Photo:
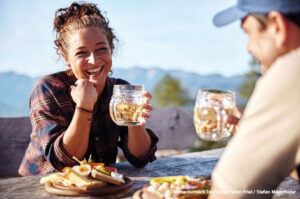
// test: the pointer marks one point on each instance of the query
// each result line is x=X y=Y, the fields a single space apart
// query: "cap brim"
x=228 y=16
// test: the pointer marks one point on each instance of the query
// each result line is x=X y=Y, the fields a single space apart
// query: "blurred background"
x=170 y=46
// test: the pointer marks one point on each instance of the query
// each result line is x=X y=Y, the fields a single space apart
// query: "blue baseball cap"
x=246 y=7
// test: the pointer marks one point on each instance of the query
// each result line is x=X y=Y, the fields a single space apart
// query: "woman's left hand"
x=146 y=108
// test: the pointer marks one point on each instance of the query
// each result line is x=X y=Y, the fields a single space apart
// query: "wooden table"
x=193 y=164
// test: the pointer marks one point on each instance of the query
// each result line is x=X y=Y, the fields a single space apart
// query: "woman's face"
x=89 y=55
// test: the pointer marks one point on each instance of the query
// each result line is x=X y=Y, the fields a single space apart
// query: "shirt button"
x=97 y=138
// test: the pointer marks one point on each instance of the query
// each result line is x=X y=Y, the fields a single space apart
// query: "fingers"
x=72 y=88
x=143 y=123
x=147 y=107
x=83 y=82
x=84 y=93
x=231 y=119
x=145 y=115
x=143 y=119
x=215 y=97
x=238 y=112
x=234 y=130
x=79 y=81
x=148 y=96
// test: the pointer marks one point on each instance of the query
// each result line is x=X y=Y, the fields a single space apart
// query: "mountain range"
x=15 y=88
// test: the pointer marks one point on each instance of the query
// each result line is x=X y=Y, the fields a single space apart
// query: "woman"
x=69 y=110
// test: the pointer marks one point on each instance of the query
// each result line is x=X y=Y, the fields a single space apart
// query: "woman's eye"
x=80 y=53
x=101 y=49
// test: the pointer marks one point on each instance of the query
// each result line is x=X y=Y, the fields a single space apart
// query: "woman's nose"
x=92 y=59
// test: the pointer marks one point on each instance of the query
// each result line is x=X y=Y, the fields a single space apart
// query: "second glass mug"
x=126 y=104
x=210 y=114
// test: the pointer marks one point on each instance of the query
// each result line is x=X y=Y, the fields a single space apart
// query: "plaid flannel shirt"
x=51 y=111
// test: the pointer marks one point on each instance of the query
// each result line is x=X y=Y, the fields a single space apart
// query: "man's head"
x=272 y=26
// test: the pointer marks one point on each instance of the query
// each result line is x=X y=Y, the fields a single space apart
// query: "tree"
x=168 y=91
x=246 y=88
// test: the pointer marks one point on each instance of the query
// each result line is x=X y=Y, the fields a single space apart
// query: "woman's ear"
x=277 y=24
x=66 y=60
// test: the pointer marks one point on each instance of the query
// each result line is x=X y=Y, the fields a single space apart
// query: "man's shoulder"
x=284 y=72
x=288 y=62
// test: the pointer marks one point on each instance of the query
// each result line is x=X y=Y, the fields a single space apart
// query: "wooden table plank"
x=192 y=164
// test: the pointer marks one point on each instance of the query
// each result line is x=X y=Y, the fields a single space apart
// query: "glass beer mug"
x=126 y=105
x=210 y=114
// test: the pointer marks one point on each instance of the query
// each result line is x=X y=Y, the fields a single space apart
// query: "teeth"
x=94 y=70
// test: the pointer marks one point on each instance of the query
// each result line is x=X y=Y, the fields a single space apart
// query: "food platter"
x=60 y=189
x=176 y=187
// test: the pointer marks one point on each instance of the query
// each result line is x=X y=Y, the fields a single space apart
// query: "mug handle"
x=221 y=120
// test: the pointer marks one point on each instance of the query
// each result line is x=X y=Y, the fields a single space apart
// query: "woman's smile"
x=94 y=71
x=90 y=55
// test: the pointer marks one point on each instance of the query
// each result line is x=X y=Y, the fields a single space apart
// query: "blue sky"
x=170 y=34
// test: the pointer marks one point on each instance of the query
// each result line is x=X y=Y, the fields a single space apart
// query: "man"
x=267 y=146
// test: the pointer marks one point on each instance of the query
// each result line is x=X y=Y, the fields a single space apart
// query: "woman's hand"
x=84 y=94
x=138 y=139
x=146 y=108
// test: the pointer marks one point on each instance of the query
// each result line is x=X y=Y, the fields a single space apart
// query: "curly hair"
x=75 y=17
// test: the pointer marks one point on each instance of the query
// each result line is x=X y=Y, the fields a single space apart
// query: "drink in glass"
x=126 y=105
x=210 y=114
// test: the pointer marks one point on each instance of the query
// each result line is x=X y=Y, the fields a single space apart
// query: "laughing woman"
x=69 y=110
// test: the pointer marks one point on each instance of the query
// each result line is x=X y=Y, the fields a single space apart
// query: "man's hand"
x=234 y=119
x=295 y=174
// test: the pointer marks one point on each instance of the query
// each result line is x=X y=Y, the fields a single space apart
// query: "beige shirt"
x=267 y=146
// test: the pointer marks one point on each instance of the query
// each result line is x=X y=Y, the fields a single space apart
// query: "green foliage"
x=246 y=88
x=168 y=91
x=202 y=145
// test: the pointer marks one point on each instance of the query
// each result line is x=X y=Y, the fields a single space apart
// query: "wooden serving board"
x=60 y=189
x=143 y=194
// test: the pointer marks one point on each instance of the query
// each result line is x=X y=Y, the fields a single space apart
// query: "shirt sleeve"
x=49 y=125
x=266 y=148
x=142 y=160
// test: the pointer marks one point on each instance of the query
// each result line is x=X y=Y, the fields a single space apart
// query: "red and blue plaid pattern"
x=51 y=111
